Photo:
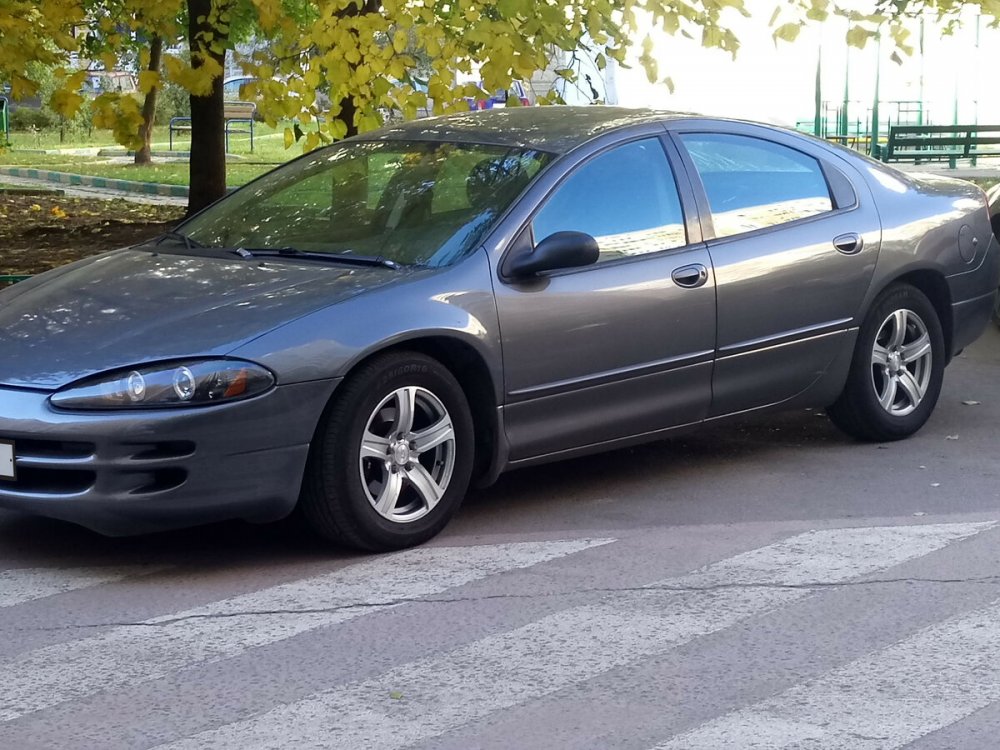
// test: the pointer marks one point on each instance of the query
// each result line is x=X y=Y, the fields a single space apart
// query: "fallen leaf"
x=35 y=207
x=920 y=513
x=396 y=695
x=951 y=437
x=971 y=403
x=935 y=484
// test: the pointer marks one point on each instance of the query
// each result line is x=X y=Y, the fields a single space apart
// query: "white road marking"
x=132 y=654
x=428 y=697
x=20 y=585
x=882 y=701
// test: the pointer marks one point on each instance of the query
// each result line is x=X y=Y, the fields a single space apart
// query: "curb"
x=58 y=192
x=125 y=186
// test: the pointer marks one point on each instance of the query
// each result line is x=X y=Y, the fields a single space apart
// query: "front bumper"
x=139 y=471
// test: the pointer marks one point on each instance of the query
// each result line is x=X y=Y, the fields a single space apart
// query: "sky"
x=776 y=82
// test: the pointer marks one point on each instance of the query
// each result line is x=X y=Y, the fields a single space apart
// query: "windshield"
x=421 y=203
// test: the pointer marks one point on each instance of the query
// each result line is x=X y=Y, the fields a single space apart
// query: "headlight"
x=195 y=383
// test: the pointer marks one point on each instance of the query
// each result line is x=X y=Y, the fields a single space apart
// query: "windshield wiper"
x=294 y=252
x=189 y=243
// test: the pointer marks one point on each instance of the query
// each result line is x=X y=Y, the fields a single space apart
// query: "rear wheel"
x=392 y=460
x=897 y=370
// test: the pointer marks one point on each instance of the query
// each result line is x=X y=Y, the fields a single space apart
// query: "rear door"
x=793 y=242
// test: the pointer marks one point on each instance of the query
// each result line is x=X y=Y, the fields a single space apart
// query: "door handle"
x=691 y=276
x=849 y=244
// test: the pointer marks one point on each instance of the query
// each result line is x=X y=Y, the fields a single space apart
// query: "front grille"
x=52 y=467
x=63 y=468
x=37 y=481
x=43 y=449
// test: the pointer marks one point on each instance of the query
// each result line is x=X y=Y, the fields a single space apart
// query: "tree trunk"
x=143 y=154
x=208 y=143
x=347 y=110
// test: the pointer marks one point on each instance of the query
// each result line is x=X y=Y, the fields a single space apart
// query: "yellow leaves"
x=66 y=103
x=858 y=36
x=338 y=129
x=120 y=113
x=787 y=32
x=647 y=60
x=34 y=207
x=196 y=80
x=148 y=80
x=57 y=212
x=289 y=138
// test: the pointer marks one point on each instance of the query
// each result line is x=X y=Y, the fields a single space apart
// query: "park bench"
x=919 y=143
x=238 y=117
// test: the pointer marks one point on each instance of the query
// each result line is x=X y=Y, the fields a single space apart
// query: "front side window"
x=752 y=183
x=625 y=198
x=421 y=203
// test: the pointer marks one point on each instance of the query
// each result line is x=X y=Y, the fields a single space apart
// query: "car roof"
x=556 y=129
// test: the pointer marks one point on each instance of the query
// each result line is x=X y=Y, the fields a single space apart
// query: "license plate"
x=7 y=460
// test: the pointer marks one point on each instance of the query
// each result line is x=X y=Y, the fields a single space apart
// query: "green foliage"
x=335 y=67
x=26 y=119
x=173 y=101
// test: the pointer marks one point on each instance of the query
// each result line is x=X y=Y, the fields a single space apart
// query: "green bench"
x=238 y=118
x=919 y=143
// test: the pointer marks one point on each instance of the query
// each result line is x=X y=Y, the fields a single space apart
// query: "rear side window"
x=626 y=199
x=752 y=183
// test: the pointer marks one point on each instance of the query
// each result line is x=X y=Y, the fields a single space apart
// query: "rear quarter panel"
x=933 y=223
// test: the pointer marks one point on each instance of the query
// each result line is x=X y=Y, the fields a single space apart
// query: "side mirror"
x=559 y=250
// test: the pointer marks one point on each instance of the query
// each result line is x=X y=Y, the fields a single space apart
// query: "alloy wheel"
x=407 y=454
x=901 y=362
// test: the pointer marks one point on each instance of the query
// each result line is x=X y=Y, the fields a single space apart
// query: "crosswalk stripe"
x=20 y=585
x=882 y=701
x=131 y=654
x=428 y=697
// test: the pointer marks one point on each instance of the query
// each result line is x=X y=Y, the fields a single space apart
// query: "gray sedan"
x=362 y=333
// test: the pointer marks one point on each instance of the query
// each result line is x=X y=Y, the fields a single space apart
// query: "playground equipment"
x=5 y=118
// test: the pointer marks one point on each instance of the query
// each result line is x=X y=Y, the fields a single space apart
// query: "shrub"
x=28 y=119
x=173 y=101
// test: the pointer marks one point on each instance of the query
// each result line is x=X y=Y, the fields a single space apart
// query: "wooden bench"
x=919 y=143
x=238 y=117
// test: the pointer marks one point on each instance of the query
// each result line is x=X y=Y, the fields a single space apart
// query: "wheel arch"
x=934 y=286
x=473 y=374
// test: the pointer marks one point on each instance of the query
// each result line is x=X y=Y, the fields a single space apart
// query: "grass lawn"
x=269 y=143
x=269 y=151
x=170 y=173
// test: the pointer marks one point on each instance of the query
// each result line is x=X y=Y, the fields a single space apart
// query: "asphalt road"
x=762 y=584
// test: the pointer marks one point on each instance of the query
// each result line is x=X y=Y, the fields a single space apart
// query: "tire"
x=377 y=478
x=895 y=377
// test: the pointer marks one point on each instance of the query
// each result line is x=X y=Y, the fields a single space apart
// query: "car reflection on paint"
x=367 y=331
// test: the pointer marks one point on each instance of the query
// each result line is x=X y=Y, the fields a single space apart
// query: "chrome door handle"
x=849 y=244
x=691 y=276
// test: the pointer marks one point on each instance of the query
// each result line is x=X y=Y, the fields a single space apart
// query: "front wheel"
x=392 y=460
x=898 y=366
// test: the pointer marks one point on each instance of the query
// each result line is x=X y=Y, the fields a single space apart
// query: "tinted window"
x=625 y=198
x=753 y=183
x=413 y=203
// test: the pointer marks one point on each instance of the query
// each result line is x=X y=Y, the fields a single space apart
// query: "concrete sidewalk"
x=102 y=193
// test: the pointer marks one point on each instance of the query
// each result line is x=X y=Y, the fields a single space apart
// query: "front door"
x=623 y=347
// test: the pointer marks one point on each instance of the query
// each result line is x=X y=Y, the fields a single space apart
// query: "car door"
x=794 y=246
x=621 y=347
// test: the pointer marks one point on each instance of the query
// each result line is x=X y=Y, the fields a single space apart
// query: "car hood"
x=134 y=306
